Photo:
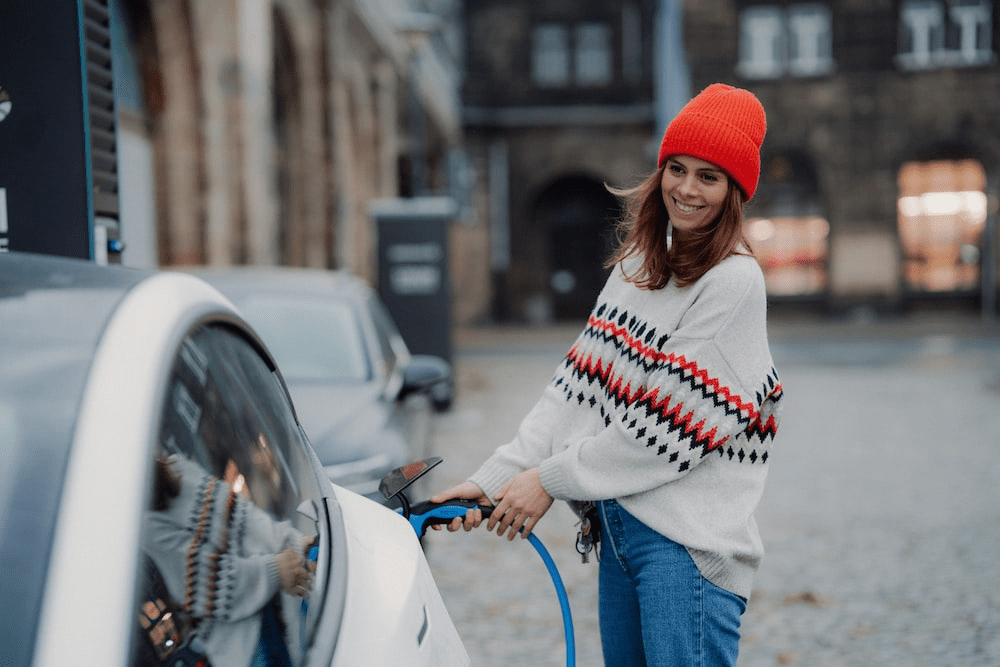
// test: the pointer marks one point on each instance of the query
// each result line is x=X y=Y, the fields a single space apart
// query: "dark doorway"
x=577 y=216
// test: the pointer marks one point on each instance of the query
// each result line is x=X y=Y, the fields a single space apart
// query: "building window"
x=942 y=214
x=775 y=41
x=939 y=33
x=550 y=55
x=810 y=40
x=585 y=62
x=593 y=54
x=761 y=43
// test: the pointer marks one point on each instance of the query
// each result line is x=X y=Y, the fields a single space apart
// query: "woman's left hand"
x=519 y=505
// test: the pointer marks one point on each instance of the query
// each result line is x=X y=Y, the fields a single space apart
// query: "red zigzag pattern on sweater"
x=673 y=414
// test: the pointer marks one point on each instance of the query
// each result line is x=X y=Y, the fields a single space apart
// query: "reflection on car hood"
x=344 y=422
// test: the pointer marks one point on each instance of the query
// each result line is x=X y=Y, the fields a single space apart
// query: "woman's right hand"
x=464 y=491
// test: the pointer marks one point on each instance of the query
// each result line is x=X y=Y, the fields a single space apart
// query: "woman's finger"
x=528 y=526
x=499 y=516
x=515 y=525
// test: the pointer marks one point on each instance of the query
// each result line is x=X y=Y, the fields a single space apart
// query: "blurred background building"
x=268 y=131
x=560 y=98
x=880 y=165
x=259 y=131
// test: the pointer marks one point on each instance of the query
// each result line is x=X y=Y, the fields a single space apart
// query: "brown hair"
x=166 y=485
x=642 y=232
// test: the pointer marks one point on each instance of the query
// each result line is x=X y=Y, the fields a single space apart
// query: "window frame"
x=935 y=34
x=593 y=62
x=550 y=55
x=774 y=42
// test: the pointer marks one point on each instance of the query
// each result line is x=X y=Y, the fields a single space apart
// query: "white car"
x=108 y=371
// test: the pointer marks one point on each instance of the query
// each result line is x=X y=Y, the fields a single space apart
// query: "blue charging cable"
x=422 y=515
x=567 y=615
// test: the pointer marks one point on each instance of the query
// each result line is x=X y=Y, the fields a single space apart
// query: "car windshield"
x=313 y=339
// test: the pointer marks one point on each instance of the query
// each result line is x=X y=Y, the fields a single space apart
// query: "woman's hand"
x=520 y=504
x=293 y=577
x=464 y=491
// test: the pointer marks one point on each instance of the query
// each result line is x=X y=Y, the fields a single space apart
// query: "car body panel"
x=397 y=595
x=45 y=368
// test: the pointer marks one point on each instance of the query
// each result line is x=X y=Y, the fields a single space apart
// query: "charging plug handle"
x=426 y=513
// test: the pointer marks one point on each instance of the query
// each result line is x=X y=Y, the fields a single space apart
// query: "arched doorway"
x=577 y=216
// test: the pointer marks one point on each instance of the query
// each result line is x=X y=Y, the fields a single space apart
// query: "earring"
x=670 y=235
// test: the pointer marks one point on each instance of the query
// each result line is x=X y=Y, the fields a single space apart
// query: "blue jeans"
x=655 y=607
x=271 y=650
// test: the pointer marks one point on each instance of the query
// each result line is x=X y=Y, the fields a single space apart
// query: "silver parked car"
x=364 y=400
x=160 y=502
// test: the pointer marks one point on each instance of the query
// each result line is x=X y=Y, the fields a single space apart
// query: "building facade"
x=880 y=166
x=559 y=100
x=881 y=163
x=260 y=131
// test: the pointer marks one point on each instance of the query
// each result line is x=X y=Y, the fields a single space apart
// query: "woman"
x=664 y=409
x=224 y=560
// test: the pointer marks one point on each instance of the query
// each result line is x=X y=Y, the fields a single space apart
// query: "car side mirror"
x=423 y=372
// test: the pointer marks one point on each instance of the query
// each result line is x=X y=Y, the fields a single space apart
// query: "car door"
x=235 y=483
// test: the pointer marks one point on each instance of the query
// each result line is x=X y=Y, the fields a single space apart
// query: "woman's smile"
x=687 y=208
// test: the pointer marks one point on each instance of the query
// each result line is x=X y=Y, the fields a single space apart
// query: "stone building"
x=880 y=166
x=260 y=131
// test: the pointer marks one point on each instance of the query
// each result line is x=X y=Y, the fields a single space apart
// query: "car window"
x=314 y=340
x=385 y=331
x=233 y=488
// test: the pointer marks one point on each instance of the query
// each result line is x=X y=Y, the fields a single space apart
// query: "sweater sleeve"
x=695 y=400
x=249 y=572
x=531 y=445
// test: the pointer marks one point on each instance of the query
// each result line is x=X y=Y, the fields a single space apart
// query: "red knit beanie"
x=722 y=125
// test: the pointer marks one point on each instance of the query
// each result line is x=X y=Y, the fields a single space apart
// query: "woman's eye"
x=711 y=178
x=676 y=169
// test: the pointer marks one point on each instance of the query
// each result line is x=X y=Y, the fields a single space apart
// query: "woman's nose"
x=688 y=184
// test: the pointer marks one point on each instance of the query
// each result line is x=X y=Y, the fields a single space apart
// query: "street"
x=881 y=518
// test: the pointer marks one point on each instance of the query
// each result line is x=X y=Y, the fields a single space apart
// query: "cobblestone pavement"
x=881 y=517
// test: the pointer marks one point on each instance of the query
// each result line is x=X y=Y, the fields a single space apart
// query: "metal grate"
x=100 y=92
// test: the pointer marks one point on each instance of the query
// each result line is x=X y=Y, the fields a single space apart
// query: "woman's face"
x=693 y=191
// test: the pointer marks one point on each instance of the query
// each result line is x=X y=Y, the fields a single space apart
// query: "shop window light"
x=941 y=215
x=792 y=252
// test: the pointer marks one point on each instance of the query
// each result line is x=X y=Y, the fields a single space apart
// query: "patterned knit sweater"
x=668 y=402
x=216 y=552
